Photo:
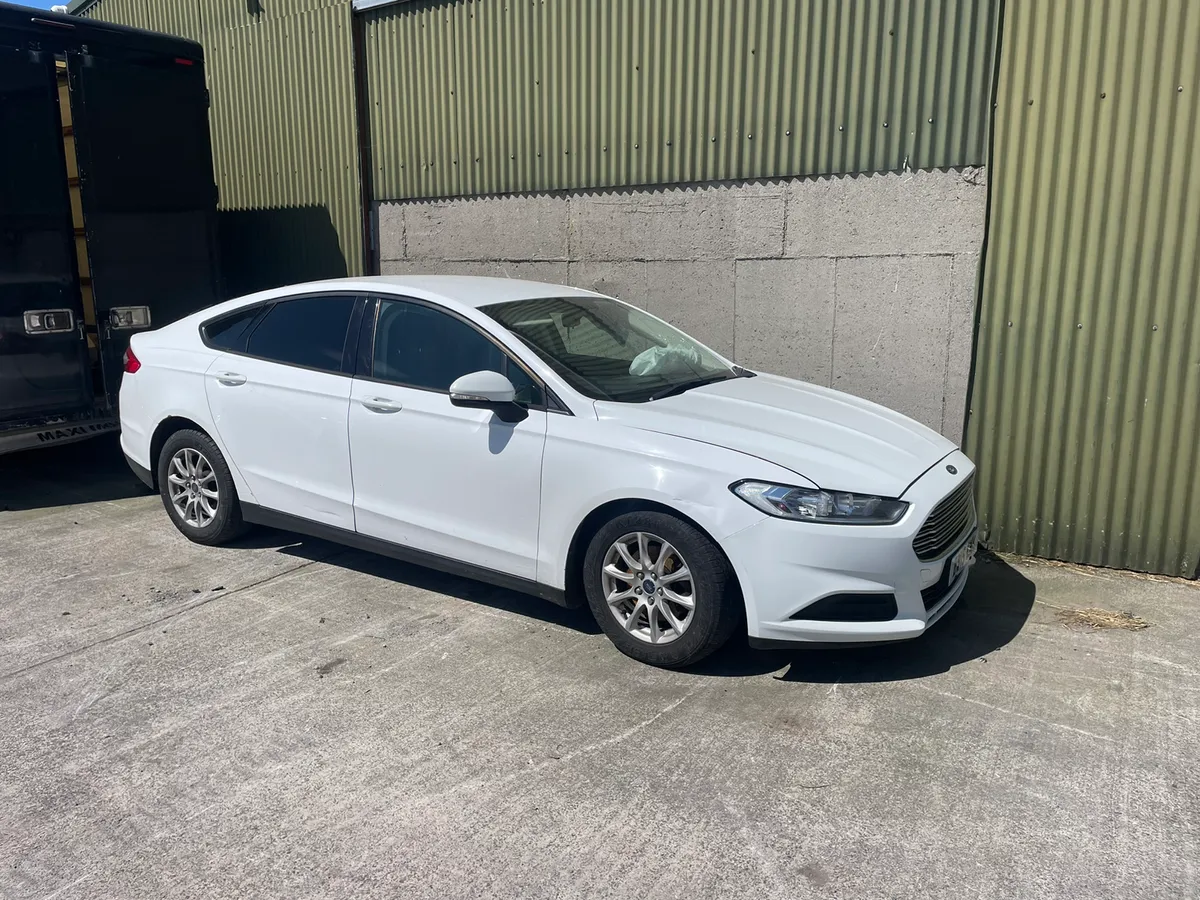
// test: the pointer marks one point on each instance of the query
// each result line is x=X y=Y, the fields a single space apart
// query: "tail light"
x=131 y=362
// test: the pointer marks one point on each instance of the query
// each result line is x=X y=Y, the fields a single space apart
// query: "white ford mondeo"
x=559 y=442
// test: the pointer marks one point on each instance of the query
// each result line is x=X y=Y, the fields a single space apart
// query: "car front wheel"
x=197 y=489
x=660 y=589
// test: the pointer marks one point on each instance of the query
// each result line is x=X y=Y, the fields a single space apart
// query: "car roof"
x=464 y=290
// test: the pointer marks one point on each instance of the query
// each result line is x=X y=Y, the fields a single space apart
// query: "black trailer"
x=107 y=212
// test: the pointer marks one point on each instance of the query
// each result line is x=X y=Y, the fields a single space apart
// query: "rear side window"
x=309 y=331
x=229 y=333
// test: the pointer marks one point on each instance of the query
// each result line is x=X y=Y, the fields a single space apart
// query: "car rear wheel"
x=197 y=489
x=660 y=589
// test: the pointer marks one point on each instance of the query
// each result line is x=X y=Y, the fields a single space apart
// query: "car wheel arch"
x=162 y=433
x=596 y=519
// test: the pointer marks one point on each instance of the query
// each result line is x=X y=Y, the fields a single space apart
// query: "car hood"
x=834 y=440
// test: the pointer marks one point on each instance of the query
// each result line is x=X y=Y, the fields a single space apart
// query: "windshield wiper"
x=688 y=385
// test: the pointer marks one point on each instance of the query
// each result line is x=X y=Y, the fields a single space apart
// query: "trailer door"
x=149 y=200
x=44 y=367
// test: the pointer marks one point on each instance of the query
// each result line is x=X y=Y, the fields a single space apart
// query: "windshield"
x=609 y=351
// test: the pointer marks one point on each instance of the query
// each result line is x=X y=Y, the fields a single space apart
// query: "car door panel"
x=442 y=479
x=285 y=428
x=453 y=482
x=279 y=394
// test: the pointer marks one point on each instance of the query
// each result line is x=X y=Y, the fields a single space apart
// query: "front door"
x=457 y=483
x=279 y=400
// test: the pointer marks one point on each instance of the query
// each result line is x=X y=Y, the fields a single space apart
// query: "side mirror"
x=488 y=390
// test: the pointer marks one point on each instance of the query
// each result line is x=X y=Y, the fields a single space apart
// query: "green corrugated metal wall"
x=485 y=96
x=283 y=130
x=1085 y=412
x=179 y=17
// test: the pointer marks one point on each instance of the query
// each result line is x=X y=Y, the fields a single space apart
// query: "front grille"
x=949 y=519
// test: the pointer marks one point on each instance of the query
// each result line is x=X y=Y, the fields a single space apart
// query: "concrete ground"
x=290 y=719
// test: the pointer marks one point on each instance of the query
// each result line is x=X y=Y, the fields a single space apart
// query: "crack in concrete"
x=535 y=767
x=833 y=325
x=949 y=351
x=1013 y=712
x=156 y=622
x=67 y=887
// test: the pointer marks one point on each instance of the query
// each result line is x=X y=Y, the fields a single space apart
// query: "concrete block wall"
x=862 y=283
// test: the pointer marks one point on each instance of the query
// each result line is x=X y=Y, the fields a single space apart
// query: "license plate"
x=962 y=558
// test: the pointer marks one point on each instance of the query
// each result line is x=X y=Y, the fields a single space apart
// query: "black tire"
x=716 y=596
x=226 y=524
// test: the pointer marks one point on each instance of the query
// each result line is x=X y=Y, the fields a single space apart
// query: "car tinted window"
x=228 y=333
x=421 y=347
x=425 y=348
x=308 y=331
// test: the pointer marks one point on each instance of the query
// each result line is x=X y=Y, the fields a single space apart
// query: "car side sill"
x=259 y=515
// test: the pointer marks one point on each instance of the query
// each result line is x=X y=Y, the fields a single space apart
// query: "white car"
x=559 y=442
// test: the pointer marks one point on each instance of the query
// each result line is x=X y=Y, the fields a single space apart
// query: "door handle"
x=382 y=405
x=232 y=379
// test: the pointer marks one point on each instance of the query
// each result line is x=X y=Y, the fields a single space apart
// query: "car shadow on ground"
x=85 y=472
x=422 y=578
x=991 y=612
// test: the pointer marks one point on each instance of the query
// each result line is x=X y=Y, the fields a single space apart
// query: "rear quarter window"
x=229 y=332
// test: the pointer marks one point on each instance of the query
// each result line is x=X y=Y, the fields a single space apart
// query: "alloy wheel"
x=192 y=485
x=648 y=587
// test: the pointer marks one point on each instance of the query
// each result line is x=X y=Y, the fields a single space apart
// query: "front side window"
x=420 y=347
x=307 y=331
x=528 y=391
x=609 y=351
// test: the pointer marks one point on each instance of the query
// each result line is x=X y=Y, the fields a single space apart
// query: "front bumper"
x=786 y=566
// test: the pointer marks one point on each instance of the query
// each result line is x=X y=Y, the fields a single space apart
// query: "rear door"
x=149 y=200
x=279 y=395
x=43 y=355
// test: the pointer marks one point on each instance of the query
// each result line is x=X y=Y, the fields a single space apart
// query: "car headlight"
x=809 y=505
